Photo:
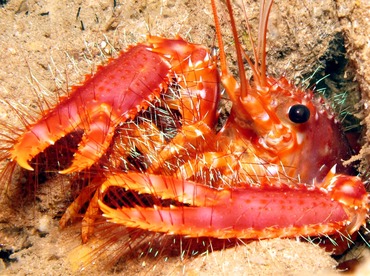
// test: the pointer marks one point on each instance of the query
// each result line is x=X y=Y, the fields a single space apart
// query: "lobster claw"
x=114 y=94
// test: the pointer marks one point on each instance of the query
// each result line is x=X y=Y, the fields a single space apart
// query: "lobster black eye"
x=299 y=113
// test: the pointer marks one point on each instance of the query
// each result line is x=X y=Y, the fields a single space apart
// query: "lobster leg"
x=87 y=195
x=190 y=137
x=246 y=212
x=84 y=196
x=146 y=137
x=87 y=224
x=235 y=168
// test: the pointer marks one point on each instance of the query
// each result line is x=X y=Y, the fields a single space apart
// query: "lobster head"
x=287 y=126
x=292 y=127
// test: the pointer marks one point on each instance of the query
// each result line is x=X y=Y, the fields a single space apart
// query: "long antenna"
x=239 y=56
x=220 y=41
x=265 y=8
x=243 y=80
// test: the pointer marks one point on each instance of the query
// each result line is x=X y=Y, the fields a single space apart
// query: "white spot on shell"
x=263 y=117
x=198 y=132
x=190 y=63
x=333 y=170
x=348 y=189
x=202 y=93
x=300 y=137
x=316 y=116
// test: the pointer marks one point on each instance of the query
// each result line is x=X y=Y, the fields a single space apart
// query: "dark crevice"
x=335 y=80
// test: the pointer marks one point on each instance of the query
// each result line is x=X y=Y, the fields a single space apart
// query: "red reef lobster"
x=148 y=119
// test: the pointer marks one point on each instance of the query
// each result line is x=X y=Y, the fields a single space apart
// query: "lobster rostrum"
x=273 y=170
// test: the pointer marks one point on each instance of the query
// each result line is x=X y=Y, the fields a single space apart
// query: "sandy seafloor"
x=46 y=47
